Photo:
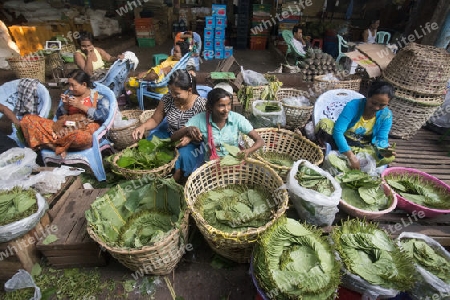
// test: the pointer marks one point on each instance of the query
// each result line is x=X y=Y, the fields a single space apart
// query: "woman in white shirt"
x=370 y=34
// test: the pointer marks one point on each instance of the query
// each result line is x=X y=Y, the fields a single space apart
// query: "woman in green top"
x=225 y=126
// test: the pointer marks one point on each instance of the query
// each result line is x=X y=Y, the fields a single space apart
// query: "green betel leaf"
x=147 y=146
x=232 y=150
x=397 y=186
x=229 y=160
x=126 y=161
x=372 y=194
x=50 y=239
x=338 y=163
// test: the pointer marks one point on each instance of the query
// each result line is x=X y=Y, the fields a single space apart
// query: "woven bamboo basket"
x=236 y=246
x=432 y=99
x=121 y=137
x=287 y=142
x=69 y=48
x=420 y=68
x=351 y=82
x=409 y=116
x=28 y=67
x=161 y=171
x=159 y=258
x=296 y=116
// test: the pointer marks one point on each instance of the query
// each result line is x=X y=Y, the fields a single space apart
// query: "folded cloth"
x=128 y=55
x=27 y=97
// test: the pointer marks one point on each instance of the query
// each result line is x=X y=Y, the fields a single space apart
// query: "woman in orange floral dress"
x=81 y=114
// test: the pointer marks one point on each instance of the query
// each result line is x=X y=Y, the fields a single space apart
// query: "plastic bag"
x=17 y=163
x=430 y=284
x=270 y=118
x=119 y=122
x=312 y=206
x=253 y=78
x=22 y=279
x=296 y=101
x=18 y=228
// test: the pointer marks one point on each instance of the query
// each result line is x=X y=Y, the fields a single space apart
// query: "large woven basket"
x=351 y=82
x=287 y=142
x=409 y=116
x=122 y=136
x=431 y=99
x=236 y=246
x=420 y=68
x=161 y=171
x=296 y=116
x=28 y=67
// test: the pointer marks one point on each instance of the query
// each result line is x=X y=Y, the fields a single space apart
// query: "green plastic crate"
x=146 y=42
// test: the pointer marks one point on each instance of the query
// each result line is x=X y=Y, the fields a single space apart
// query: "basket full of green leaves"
x=247 y=94
x=267 y=114
x=144 y=228
x=233 y=204
x=363 y=195
x=283 y=147
x=373 y=263
x=21 y=210
x=431 y=261
x=295 y=261
x=418 y=191
x=314 y=193
x=146 y=158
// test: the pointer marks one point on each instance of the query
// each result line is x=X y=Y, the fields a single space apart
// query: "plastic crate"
x=142 y=24
x=221 y=22
x=146 y=42
x=258 y=43
x=228 y=51
x=210 y=22
x=219 y=10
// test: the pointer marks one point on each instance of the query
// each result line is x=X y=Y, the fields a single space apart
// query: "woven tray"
x=122 y=136
x=159 y=259
x=419 y=68
x=161 y=171
x=351 y=82
x=28 y=67
x=146 y=114
x=235 y=246
x=296 y=116
x=286 y=142
x=409 y=116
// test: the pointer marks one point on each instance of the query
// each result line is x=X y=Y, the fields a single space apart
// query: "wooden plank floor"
x=426 y=153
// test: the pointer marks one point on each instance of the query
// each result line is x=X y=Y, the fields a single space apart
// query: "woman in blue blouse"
x=363 y=124
x=225 y=126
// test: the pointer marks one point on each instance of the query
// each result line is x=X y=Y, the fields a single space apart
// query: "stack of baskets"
x=351 y=82
x=419 y=74
x=236 y=246
x=286 y=142
x=296 y=116
x=121 y=136
x=31 y=66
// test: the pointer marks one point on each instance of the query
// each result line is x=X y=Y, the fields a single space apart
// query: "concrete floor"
x=194 y=278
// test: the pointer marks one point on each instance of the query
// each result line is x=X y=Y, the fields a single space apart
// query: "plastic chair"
x=383 y=37
x=92 y=156
x=341 y=44
x=145 y=85
x=117 y=76
x=288 y=37
x=331 y=103
x=158 y=58
x=8 y=97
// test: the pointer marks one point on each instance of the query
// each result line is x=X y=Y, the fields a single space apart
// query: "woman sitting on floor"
x=218 y=125
x=363 y=125
x=79 y=117
x=180 y=104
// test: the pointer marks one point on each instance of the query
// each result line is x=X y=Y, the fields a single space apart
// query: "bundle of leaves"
x=132 y=217
x=17 y=204
x=363 y=191
x=294 y=261
x=147 y=155
x=267 y=107
x=370 y=253
x=311 y=179
x=429 y=258
x=246 y=93
x=420 y=191
x=281 y=159
x=235 y=207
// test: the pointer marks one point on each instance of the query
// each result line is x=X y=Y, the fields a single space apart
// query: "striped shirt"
x=176 y=118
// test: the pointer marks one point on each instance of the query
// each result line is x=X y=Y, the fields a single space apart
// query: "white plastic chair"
x=331 y=103
x=8 y=97
x=341 y=44
x=383 y=37
x=92 y=156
